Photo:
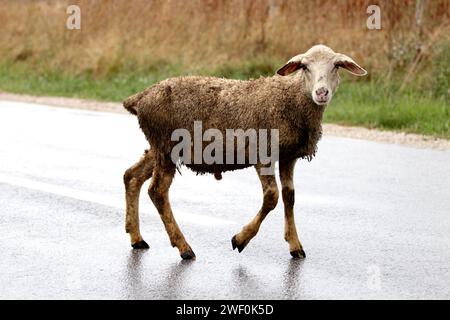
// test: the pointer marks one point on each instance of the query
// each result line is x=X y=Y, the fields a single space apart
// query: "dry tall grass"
x=118 y=34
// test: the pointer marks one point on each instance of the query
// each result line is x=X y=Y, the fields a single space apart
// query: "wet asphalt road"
x=374 y=219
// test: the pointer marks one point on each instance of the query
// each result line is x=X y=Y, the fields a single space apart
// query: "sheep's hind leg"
x=288 y=194
x=159 y=194
x=270 y=191
x=134 y=178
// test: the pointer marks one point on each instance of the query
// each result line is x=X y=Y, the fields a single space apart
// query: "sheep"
x=294 y=105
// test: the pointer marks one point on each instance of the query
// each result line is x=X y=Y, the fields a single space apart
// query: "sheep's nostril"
x=322 y=92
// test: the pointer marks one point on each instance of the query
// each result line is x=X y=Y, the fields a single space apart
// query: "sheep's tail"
x=131 y=102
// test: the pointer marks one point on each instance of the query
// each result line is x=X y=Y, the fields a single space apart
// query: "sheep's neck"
x=308 y=117
x=310 y=114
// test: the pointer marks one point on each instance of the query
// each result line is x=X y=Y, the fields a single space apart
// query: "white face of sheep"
x=319 y=67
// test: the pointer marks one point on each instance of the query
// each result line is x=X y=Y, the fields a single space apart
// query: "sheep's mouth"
x=321 y=101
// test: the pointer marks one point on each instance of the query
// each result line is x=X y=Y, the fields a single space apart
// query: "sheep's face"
x=319 y=67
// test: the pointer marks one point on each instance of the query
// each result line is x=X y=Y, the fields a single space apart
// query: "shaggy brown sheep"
x=293 y=105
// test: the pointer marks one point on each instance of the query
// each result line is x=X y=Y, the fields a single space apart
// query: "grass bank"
x=372 y=104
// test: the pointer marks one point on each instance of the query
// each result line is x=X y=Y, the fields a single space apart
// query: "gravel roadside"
x=410 y=139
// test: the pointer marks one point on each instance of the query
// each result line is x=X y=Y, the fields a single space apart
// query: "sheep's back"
x=218 y=103
x=265 y=103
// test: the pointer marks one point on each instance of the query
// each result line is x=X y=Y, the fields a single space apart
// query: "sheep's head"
x=319 y=67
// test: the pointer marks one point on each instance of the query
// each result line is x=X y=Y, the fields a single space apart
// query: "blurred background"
x=124 y=46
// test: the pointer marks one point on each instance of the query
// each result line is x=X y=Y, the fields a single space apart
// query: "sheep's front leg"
x=159 y=193
x=270 y=192
x=288 y=194
x=134 y=178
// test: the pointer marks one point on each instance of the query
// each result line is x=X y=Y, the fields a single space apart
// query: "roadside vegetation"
x=125 y=46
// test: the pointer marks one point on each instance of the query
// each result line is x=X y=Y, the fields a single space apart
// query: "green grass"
x=376 y=106
x=20 y=79
x=365 y=103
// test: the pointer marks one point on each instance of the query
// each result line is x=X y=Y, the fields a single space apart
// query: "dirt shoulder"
x=84 y=104
x=409 y=139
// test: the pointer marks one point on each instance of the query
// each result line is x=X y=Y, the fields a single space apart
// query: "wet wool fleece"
x=266 y=103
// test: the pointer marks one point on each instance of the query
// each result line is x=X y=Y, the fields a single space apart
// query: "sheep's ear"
x=291 y=66
x=348 y=64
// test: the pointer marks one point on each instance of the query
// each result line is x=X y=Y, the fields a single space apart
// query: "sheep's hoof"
x=140 y=245
x=188 y=255
x=298 y=254
x=235 y=245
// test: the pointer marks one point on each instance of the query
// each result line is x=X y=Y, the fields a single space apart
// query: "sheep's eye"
x=304 y=67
